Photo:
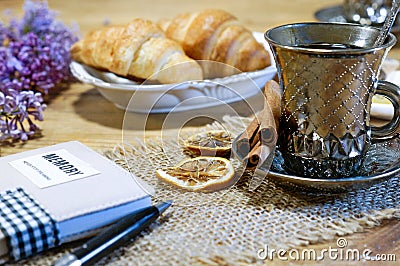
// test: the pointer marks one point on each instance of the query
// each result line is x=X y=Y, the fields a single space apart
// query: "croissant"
x=138 y=49
x=218 y=36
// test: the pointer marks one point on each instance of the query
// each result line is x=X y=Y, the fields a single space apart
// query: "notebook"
x=77 y=191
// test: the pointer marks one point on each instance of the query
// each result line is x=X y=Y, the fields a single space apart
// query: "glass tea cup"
x=329 y=73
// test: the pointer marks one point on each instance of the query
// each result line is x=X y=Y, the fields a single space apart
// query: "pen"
x=114 y=236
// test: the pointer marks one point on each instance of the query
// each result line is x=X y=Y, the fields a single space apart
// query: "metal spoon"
x=389 y=21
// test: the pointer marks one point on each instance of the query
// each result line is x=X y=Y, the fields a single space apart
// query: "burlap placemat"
x=229 y=227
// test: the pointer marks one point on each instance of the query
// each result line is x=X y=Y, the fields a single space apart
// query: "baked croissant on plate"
x=138 y=49
x=218 y=36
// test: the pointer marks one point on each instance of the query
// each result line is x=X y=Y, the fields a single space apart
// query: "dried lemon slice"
x=200 y=174
x=210 y=143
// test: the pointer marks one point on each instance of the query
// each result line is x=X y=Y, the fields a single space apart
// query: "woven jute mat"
x=229 y=227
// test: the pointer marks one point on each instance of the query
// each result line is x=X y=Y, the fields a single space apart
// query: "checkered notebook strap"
x=27 y=227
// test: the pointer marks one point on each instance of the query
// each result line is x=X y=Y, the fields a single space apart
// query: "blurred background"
x=248 y=12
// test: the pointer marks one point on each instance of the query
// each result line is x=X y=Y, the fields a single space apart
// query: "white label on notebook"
x=53 y=168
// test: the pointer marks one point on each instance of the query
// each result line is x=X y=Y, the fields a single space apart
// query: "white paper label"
x=53 y=168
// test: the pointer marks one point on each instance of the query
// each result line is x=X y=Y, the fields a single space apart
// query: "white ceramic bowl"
x=132 y=96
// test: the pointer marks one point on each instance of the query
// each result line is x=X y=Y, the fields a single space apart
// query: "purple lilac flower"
x=19 y=109
x=34 y=58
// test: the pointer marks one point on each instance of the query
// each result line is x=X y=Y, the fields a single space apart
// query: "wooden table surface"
x=80 y=113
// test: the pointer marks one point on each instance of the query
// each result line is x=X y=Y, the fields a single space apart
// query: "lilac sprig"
x=34 y=59
x=17 y=111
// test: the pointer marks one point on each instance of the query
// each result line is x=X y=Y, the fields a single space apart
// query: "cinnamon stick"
x=249 y=137
x=268 y=136
x=269 y=117
x=259 y=139
x=273 y=96
x=258 y=154
x=267 y=130
x=265 y=138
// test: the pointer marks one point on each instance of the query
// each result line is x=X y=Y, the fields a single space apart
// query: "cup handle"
x=392 y=93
